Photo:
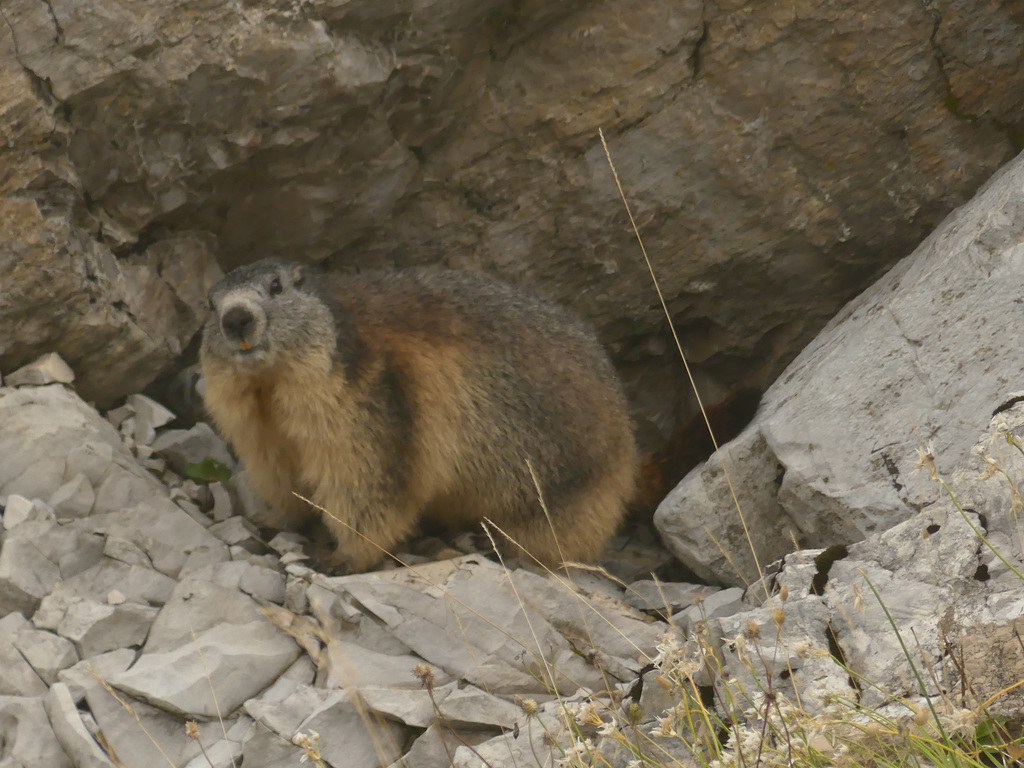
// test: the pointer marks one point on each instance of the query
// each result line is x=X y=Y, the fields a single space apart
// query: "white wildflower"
x=664 y=729
x=607 y=729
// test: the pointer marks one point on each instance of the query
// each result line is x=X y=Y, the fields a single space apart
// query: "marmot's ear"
x=298 y=274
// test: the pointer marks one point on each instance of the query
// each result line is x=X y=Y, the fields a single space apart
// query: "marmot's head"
x=265 y=311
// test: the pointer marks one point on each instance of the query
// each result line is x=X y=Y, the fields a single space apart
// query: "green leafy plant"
x=209 y=470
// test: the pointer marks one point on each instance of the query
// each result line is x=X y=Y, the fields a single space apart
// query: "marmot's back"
x=396 y=395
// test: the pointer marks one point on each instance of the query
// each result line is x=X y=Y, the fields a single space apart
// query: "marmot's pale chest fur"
x=393 y=396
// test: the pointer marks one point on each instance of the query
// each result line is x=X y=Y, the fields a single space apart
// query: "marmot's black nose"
x=237 y=324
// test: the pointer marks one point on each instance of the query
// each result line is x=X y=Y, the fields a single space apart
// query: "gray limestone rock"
x=135 y=746
x=349 y=738
x=85 y=550
x=471 y=706
x=286 y=542
x=724 y=602
x=66 y=545
x=196 y=605
x=665 y=598
x=992 y=663
x=39 y=479
x=125 y=551
x=478 y=604
x=92 y=459
x=264 y=584
x=339 y=616
x=139 y=585
x=123 y=487
x=227 y=752
x=233 y=531
x=191 y=446
x=284 y=715
x=48 y=432
x=412 y=707
x=843 y=600
x=97 y=627
x=203 y=558
x=17 y=677
x=507 y=751
x=71 y=732
x=222 y=504
x=27 y=738
x=618 y=637
x=234 y=660
x=922 y=356
x=295 y=594
x=160 y=528
x=82 y=676
x=435 y=746
x=48 y=369
x=46 y=652
x=267 y=749
x=252 y=506
x=73 y=499
x=18 y=510
x=349 y=665
x=149 y=416
x=299 y=675
x=26 y=575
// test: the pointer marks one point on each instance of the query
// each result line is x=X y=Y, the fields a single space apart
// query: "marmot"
x=388 y=397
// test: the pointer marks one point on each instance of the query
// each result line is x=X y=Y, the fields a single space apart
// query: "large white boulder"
x=921 y=358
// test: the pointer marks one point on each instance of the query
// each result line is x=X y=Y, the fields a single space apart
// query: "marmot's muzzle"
x=238 y=324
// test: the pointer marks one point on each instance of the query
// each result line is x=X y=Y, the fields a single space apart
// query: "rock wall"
x=777 y=157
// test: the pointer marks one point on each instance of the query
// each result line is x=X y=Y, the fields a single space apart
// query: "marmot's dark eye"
x=275 y=286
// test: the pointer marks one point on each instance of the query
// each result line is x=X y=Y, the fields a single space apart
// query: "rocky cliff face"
x=778 y=158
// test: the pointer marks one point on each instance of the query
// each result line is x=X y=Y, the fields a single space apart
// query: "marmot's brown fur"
x=392 y=396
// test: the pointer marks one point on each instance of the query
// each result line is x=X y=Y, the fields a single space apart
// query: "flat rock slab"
x=135 y=746
x=352 y=738
x=477 y=608
x=226 y=665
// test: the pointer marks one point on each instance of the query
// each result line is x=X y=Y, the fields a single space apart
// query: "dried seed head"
x=425 y=674
x=926 y=460
x=784 y=593
x=779 y=617
x=752 y=630
x=530 y=707
x=634 y=713
x=587 y=714
x=192 y=729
